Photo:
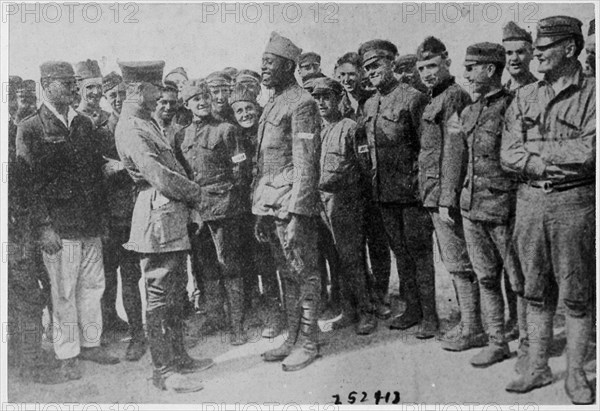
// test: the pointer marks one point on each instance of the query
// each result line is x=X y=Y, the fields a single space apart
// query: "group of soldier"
x=311 y=189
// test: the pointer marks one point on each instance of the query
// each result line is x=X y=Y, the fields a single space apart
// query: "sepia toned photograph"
x=298 y=205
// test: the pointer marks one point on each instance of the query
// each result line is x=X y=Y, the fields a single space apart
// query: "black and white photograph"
x=298 y=205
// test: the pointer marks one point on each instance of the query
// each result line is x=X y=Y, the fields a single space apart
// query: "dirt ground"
x=386 y=361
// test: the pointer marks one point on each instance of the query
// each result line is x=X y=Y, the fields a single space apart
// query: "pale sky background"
x=186 y=34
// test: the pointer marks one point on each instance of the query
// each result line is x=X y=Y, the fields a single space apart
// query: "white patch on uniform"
x=239 y=158
x=306 y=136
x=363 y=149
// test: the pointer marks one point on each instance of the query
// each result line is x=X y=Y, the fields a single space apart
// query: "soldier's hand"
x=50 y=241
x=261 y=230
x=557 y=173
x=445 y=215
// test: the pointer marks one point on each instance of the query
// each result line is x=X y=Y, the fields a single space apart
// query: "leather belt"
x=548 y=186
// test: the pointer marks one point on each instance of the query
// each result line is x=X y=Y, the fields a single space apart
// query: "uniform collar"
x=387 y=89
x=134 y=110
x=488 y=98
x=573 y=79
x=440 y=88
x=71 y=114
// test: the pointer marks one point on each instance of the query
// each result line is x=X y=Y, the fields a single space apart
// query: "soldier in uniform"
x=308 y=63
x=219 y=84
x=348 y=71
x=550 y=139
x=405 y=68
x=159 y=225
x=488 y=196
x=114 y=91
x=212 y=154
x=286 y=198
x=251 y=79
x=60 y=147
x=387 y=146
x=165 y=112
x=89 y=81
x=590 y=50
x=519 y=52
x=121 y=194
x=440 y=179
x=343 y=205
x=26 y=100
x=179 y=77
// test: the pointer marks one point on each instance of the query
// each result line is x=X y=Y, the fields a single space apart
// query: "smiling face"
x=246 y=113
x=328 y=104
x=200 y=105
x=220 y=97
x=349 y=75
x=61 y=90
x=273 y=70
x=379 y=72
x=479 y=77
x=166 y=107
x=91 y=91
x=433 y=71
x=553 y=56
x=115 y=98
x=518 y=56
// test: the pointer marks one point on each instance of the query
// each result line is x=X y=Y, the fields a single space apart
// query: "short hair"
x=350 y=58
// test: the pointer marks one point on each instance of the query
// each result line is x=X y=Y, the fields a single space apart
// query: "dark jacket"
x=489 y=193
x=439 y=167
x=211 y=152
x=66 y=167
x=339 y=165
x=387 y=143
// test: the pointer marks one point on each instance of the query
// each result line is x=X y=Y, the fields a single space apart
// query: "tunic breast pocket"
x=394 y=125
x=275 y=129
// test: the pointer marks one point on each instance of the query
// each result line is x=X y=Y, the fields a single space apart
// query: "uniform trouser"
x=26 y=299
x=343 y=213
x=409 y=233
x=166 y=278
x=379 y=253
x=328 y=256
x=77 y=283
x=301 y=279
x=489 y=247
x=451 y=243
x=555 y=242
x=226 y=236
x=116 y=256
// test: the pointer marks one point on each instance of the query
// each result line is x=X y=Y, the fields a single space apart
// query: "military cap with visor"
x=551 y=30
x=326 y=85
x=143 y=71
x=242 y=92
x=193 y=88
x=309 y=58
x=430 y=48
x=374 y=50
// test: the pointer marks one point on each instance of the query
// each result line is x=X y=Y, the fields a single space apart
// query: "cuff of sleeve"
x=535 y=167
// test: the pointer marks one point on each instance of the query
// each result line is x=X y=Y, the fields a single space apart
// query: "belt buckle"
x=547 y=187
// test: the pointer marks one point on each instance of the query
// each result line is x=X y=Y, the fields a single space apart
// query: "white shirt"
x=70 y=114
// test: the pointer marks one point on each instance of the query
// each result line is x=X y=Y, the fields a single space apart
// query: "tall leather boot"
x=272 y=312
x=293 y=314
x=538 y=373
x=578 y=335
x=413 y=313
x=215 y=318
x=307 y=349
x=234 y=288
x=511 y=328
x=182 y=361
x=164 y=375
x=430 y=324
x=492 y=305
x=132 y=303
x=469 y=332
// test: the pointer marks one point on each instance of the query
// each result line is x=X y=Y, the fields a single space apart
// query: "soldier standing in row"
x=286 y=198
x=159 y=225
x=212 y=154
x=488 y=196
x=61 y=148
x=405 y=68
x=519 y=52
x=387 y=147
x=219 y=84
x=114 y=92
x=308 y=64
x=550 y=139
x=343 y=205
x=165 y=112
x=440 y=179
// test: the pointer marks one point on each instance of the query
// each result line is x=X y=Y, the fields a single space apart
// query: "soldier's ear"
x=448 y=62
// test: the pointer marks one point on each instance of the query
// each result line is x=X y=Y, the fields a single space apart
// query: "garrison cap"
x=248 y=76
x=405 y=63
x=56 y=69
x=110 y=81
x=592 y=28
x=14 y=84
x=218 y=78
x=142 y=71
x=556 y=28
x=169 y=85
x=283 y=47
x=241 y=92
x=431 y=47
x=192 y=88
x=88 y=69
x=512 y=32
x=485 y=53
x=375 y=49
x=309 y=58
x=178 y=70
x=27 y=87
x=326 y=85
